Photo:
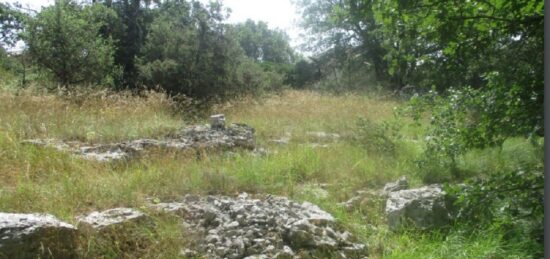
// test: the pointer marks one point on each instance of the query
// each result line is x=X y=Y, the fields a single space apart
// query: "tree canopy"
x=64 y=39
x=182 y=47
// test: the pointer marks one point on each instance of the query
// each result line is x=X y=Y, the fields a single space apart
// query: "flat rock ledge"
x=36 y=236
x=192 y=137
x=268 y=227
x=111 y=218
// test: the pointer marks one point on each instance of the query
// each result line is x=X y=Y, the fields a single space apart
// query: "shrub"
x=509 y=199
x=468 y=118
x=64 y=39
x=382 y=138
x=511 y=202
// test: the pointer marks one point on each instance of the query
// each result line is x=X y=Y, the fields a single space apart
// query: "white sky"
x=277 y=13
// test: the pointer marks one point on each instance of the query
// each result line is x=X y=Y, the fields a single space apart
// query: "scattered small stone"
x=105 y=153
x=354 y=251
x=287 y=253
x=188 y=253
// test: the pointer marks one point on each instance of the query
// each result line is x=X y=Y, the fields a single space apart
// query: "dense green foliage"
x=188 y=51
x=433 y=43
x=262 y=44
x=182 y=47
x=270 y=49
x=482 y=60
x=11 y=23
x=304 y=73
x=64 y=39
x=470 y=118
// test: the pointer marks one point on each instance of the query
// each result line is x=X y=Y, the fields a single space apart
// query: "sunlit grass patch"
x=99 y=117
x=322 y=170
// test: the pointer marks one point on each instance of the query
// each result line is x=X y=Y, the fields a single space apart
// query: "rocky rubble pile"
x=225 y=227
x=215 y=135
x=271 y=227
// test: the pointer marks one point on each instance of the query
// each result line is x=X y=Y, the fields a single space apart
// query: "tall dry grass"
x=301 y=111
x=88 y=116
x=36 y=179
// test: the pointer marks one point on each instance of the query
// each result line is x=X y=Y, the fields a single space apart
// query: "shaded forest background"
x=187 y=47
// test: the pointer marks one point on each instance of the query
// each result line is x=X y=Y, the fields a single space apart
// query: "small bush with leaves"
x=510 y=202
x=468 y=118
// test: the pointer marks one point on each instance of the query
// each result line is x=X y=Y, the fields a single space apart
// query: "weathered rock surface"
x=368 y=196
x=423 y=208
x=107 y=152
x=236 y=135
x=193 y=137
x=35 y=236
x=270 y=227
x=400 y=184
x=111 y=218
x=217 y=121
x=122 y=227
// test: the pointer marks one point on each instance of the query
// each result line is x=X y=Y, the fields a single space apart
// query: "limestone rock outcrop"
x=422 y=208
x=216 y=135
x=400 y=184
x=36 y=236
x=111 y=218
x=267 y=227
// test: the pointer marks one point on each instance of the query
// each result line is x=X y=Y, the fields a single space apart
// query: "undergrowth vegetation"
x=374 y=147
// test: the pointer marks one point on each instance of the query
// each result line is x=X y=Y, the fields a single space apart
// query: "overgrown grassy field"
x=35 y=179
